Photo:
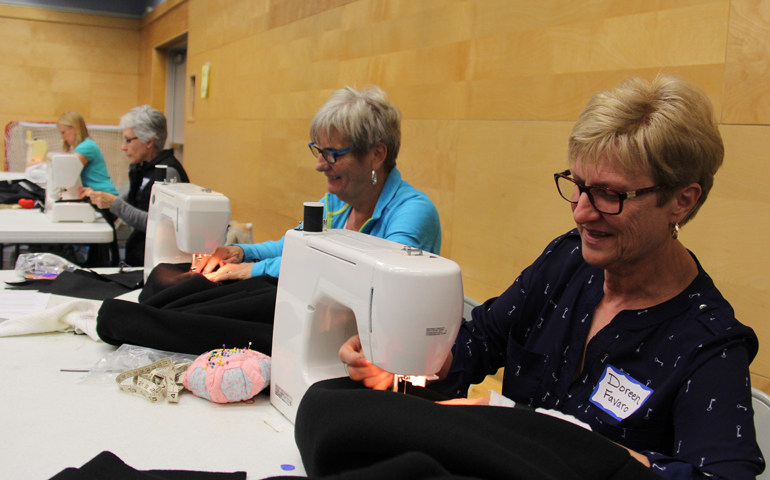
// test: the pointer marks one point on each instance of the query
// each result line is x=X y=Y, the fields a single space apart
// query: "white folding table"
x=22 y=226
x=33 y=226
x=50 y=421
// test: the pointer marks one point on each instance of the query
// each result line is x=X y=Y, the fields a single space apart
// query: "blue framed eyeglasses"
x=329 y=155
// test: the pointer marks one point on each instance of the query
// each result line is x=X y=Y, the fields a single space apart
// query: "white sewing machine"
x=61 y=191
x=405 y=304
x=183 y=220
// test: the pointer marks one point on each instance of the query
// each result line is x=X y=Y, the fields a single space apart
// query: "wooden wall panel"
x=448 y=65
x=420 y=30
x=495 y=17
x=747 y=76
x=548 y=72
x=283 y=12
x=655 y=39
x=109 y=99
x=264 y=163
x=428 y=161
x=226 y=22
x=506 y=208
x=562 y=97
x=371 y=12
x=155 y=35
x=52 y=62
x=489 y=90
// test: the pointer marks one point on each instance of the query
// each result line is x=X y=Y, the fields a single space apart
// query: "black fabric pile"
x=345 y=431
x=99 y=254
x=11 y=191
x=107 y=466
x=186 y=313
x=84 y=284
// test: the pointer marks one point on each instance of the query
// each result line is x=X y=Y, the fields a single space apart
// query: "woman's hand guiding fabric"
x=360 y=369
x=223 y=255
x=231 y=271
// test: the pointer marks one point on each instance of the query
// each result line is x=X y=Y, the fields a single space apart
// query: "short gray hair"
x=147 y=123
x=364 y=117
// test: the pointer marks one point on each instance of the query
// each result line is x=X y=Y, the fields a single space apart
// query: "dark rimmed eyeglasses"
x=605 y=200
x=129 y=140
x=329 y=155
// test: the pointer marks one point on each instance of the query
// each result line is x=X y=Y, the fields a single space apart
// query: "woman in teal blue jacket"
x=356 y=138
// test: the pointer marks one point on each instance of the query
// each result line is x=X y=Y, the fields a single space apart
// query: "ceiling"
x=115 y=8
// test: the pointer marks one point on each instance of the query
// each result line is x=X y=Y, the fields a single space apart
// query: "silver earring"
x=374 y=177
x=675 y=231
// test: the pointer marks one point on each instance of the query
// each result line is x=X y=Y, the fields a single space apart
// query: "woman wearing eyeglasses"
x=144 y=135
x=356 y=138
x=617 y=323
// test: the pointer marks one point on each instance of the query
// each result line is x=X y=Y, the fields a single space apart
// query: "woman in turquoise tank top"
x=94 y=175
x=75 y=140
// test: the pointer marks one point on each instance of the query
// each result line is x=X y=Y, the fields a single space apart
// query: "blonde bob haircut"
x=362 y=117
x=74 y=120
x=665 y=128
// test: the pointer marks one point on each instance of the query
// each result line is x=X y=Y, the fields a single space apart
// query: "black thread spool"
x=161 y=172
x=314 y=217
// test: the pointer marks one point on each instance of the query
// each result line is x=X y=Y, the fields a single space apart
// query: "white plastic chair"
x=468 y=305
x=761 y=403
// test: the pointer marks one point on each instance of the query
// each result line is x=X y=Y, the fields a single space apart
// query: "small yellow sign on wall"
x=205 y=80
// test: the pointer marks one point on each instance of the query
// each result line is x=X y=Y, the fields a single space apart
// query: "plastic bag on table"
x=128 y=357
x=42 y=266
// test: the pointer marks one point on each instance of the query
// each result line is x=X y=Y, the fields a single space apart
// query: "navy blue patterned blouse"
x=670 y=381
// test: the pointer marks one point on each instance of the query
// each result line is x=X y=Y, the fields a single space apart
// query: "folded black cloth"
x=107 y=466
x=84 y=284
x=184 y=312
x=11 y=191
x=167 y=275
x=344 y=431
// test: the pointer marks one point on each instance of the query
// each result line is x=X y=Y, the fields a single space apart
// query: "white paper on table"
x=14 y=304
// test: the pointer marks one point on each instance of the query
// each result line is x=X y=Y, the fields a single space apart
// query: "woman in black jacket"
x=144 y=135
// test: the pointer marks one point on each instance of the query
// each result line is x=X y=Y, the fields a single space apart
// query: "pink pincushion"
x=225 y=376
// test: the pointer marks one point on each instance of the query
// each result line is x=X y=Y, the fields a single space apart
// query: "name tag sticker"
x=619 y=394
x=145 y=181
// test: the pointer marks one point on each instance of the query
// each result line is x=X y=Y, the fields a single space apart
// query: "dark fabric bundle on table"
x=186 y=313
x=344 y=430
x=11 y=191
x=168 y=275
x=99 y=254
x=107 y=466
x=84 y=284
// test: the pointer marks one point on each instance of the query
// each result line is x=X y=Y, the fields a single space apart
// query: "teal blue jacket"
x=403 y=215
